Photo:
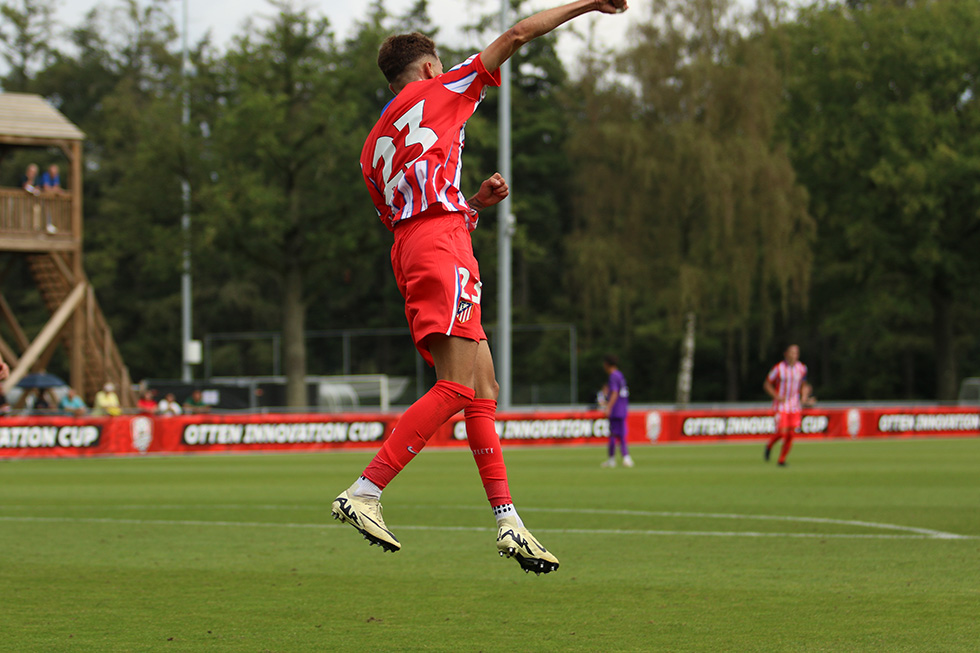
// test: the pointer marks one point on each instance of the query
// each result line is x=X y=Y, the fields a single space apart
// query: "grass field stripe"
x=481 y=529
x=715 y=515
x=594 y=511
x=846 y=536
x=789 y=518
x=184 y=506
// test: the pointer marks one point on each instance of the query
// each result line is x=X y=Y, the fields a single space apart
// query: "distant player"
x=411 y=164
x=616 y=407
x=790 y=392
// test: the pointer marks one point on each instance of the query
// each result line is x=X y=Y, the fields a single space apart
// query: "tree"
x=883 y=115
x=281 y=156
x=689 y=210
x=26 y=33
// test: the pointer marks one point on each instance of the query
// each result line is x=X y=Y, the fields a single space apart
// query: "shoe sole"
x=537 y=565
x=528 y=563
x=372 y=539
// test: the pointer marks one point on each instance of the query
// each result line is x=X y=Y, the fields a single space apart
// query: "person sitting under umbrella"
x=41 y=404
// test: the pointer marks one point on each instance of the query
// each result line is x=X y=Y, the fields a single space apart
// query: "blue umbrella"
x=42 y=380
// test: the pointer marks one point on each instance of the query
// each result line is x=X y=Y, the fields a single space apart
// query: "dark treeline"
x=723 y=183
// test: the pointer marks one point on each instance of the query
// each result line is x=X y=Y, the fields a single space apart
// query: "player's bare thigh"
x=464 y=361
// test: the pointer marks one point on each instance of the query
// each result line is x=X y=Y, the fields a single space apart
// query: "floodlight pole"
x=185 y=223
x=505 y=231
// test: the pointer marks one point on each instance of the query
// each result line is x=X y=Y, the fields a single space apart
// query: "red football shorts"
x=788 y=421
x=439 y=278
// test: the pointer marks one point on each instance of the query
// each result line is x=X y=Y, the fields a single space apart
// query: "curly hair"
x=400 y=51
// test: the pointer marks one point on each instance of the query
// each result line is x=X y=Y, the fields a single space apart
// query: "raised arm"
x=505 y=45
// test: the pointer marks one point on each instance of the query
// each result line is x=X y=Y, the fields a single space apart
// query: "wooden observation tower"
x=46 y=229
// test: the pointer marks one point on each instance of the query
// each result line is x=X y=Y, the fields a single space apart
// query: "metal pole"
x=573 y=362
x=185 y=223
x=345 y=341
x=207 y=356
x=505 y=230
x=276 y=348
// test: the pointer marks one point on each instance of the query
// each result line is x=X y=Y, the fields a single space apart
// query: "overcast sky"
x=224 y=18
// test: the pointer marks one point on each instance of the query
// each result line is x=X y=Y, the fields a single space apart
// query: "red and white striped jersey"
x=411 y=160
x=788 y=381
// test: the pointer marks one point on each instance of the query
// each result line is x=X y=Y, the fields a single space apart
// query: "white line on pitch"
x=577 y=511
x=584 y=531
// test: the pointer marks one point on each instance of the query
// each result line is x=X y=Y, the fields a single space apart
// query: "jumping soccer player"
x=411 y=164
x=790 y=392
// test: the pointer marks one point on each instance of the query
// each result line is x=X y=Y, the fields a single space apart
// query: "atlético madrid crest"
x=464 y=311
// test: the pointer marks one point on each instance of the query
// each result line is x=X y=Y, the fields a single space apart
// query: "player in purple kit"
x=617 y=406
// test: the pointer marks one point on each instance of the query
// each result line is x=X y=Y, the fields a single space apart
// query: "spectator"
x=146 y=404
x=72 y=404
x=4 y=406
x=107 y=401
x=51 y=185
x=30 y=181
x=194 y=405
x=51 y=180
x=40 y=405
x=168 y=406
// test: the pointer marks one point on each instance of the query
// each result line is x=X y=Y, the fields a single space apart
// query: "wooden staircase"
x=102 y=360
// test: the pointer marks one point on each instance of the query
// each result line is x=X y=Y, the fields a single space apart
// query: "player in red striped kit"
x=411 y=165
x=790 y=392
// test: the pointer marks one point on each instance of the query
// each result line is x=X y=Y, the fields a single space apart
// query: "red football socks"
x=484 y=442
x=414 y=429
x=787 y=439
x=787 y=443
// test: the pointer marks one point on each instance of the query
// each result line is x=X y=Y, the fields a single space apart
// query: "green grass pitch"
x=855 y=546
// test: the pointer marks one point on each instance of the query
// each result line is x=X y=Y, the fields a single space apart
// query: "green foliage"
x=688 y=203
x=26 y=32
x=807 y=177
x=882 y=114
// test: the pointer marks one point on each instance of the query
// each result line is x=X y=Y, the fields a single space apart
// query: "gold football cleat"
x=365 y=515
x=516 y=542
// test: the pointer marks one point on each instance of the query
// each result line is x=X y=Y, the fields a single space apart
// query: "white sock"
x=507 y=510
x=365 y=489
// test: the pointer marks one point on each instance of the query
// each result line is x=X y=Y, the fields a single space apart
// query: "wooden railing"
x=22 y=213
